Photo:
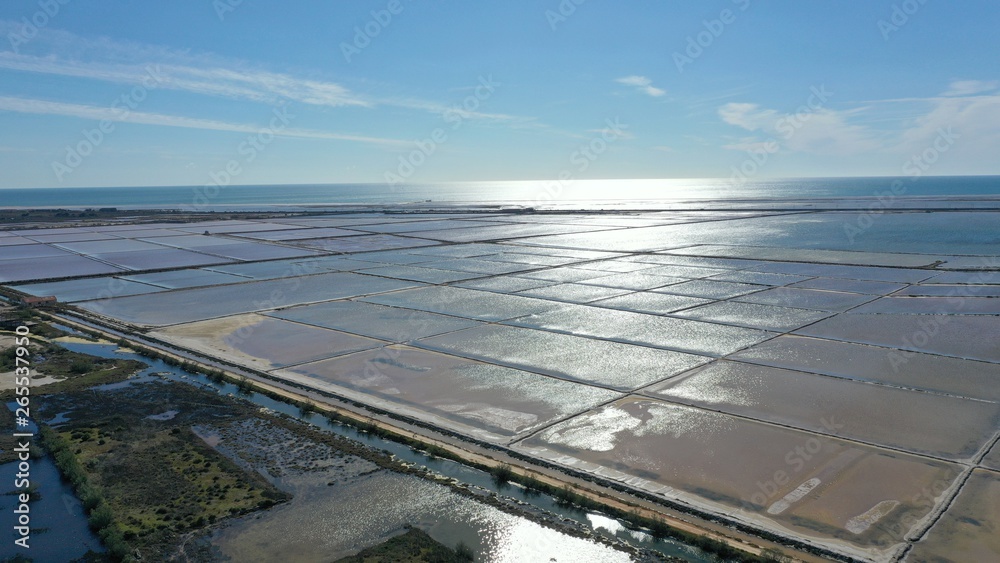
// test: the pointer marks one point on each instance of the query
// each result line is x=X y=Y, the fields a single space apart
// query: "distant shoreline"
x=645 y=195
x=854 y=203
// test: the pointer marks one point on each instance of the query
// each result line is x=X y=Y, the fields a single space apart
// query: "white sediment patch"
x=37 y=380
x=791 y=498
x=862 y=522
x=509 y=420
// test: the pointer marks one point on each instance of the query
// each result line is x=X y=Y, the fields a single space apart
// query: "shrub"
x=80 y=367
x=775 y=555
x=501 y=473
x=464 y=552
x=244 y=385
x=100 y=518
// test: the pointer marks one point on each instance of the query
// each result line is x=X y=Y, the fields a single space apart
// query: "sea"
x=583 y=194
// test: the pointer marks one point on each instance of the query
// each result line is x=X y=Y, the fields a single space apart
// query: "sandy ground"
x=37 y=380
x=7 y=379
x=79 y=340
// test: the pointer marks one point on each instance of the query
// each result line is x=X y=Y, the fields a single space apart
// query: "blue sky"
x=117 y=93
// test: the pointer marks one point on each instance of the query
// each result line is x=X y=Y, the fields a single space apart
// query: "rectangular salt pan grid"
x=52 y=267
x=938 y=334
x=807 y=299
x=918 y=422
x=650 y=330
x=264 y=343
x=426 y=275
x=572 y=292
x=753 y=315
x=182 y=279
x=156 y=259
x=898 y=393
x=377 y=321
x=91 y=288
x=30 y=251
x=964 y=531
x=829 y=487
x=927 y=372
x=489 y=402
x=650 y=302
x=610 y=364
x=186 y=305
x=467 y=303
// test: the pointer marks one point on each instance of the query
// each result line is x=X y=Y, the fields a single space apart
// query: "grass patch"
x=7 y=441
x=166 y=480
x=77 y=371
x=414 y=546
x=145 y=482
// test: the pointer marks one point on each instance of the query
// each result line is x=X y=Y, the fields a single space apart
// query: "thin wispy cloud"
x=256 y=86
x=69 y=55
x=239 y=84
x=642 y=84
x=455 y=109
x=95 y=113
x=975 y=117
x=818 y=131
x=967 y=109
x=750 y=144
x=748 y=116
x=619 y=134
x=456 y=113
x=956 y=89
x=970 y=87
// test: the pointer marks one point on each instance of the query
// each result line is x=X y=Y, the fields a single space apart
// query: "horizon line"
x=369 y=183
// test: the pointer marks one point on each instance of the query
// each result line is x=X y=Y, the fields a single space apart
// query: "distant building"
x=32 y=301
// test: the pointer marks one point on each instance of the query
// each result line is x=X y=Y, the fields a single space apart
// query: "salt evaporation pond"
x=918 y=422
x=87 y=289
x=968 y=530
x=637 y=328
x=650 y=302
x=712 y=289
x=263 y=342
x=466 y=303
x=752 y=315
x=993 y=459
x=420 y=274
x=927 y=372
x=53 y=267
x=187 y=305
x=609 y=364
x=485 y=401
x=572 y=292
x=183 y=279
x=506 y=284
x=807 y=299
x=828 y=488
x=377 y=321
x=591 y=307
